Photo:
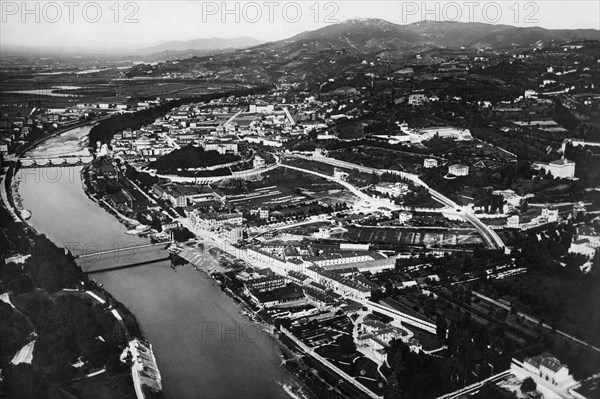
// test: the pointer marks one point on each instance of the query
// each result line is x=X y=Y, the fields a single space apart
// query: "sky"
x=109 y=25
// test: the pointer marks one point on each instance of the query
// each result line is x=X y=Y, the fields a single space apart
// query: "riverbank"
x=50 y=299
x=85 y=184
x=297 y=389
x=28 y=241
x=173 y=307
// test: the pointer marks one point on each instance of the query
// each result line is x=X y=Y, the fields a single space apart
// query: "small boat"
x=25 y=214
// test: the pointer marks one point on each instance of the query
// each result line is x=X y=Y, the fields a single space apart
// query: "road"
x=490 y=236
x=366 y=199
x=474 y=388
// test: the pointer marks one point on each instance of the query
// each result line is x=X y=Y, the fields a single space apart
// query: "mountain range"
x=354 y=36
x=327 y=52
x=380 y=34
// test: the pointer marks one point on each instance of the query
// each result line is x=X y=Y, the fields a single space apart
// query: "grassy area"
x=567 y=303
x=284 y=187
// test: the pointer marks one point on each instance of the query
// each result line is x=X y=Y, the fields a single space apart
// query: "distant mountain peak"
x=214 y=43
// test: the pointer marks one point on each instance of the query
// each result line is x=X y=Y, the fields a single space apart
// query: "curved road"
x=490 y=236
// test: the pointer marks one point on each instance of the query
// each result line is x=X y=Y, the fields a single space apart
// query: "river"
x=204 y=347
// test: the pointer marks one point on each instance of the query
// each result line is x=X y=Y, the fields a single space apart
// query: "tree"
x=528 y=385
x=393 y=389
x=524 y=205
x=24 y=381
x=441 y=328
x=346 y=344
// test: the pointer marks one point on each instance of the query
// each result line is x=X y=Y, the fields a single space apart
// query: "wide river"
x=204 y=347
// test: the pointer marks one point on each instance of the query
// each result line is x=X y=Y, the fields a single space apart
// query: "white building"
x=446 y=132
x=551 y=215
x=326 y=136
x=583 y=247
x=561 y=168
x=213 y=221
x=548 y=368
x=417 y=100
x=404 y=217
x=513 y=222
x=262 y=108
x=458 y=170
x=340 y=174
x=392 y=189
x=222 y=147
x=430 y=163
x=530 y=94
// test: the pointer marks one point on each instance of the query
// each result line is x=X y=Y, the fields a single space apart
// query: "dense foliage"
x=190 y=157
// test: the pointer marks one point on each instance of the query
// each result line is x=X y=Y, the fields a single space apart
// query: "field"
x=358 y=179
x=63 y=89
x=411 y=236
x=284 y=188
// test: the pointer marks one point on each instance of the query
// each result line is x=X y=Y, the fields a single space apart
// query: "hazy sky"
x=110 y=24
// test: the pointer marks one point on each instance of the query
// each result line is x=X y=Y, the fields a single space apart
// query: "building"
x=344 y=246
x=234 y=234
x=182 y=195
x=326 y=136
x=512 y=222
x=261 y=107
x=214 y=221
x=343 y=258
x=267 y=283
x=458 y=170
x=221 y=146
x=263 y=214
x=582 y=247
x=561 y=168
x=357 y=287
x=506 y=194
x=446 y=132
x=579 y=208
x=430 y=163
x=340 y=174
x=404 y=217
x=392 y=189
x=586 y=232
x=417 y=100
x=258 y=162
x=548 y=368
x=550 y=215
x=278 y=296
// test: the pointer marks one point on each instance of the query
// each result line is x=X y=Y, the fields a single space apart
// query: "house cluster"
x=223 y=125
x=20 y=123
x=548 y=215
x=335 y=271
